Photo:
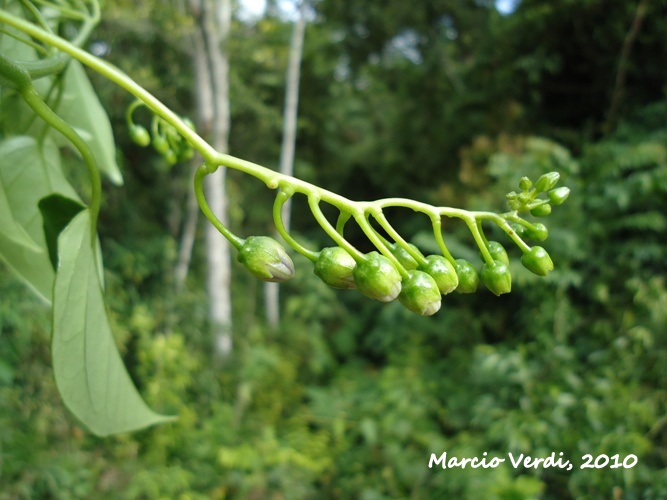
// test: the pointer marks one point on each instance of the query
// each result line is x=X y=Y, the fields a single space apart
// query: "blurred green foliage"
x=349 y=398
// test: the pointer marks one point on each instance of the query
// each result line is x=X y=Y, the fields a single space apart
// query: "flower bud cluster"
x=400 y=271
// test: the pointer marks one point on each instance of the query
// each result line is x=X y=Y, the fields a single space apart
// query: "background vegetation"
x=450 y=103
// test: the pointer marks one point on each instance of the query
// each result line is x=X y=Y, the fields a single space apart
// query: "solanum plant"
x=49 y=236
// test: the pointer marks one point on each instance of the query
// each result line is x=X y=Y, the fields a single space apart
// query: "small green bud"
x=525 y=198
x=538 y=232
x=377 y=278
x=468 y=278
x=420 y=294
x=559 y=195
x=161 y=145
x=334 y=266
x=266 y=259
x=443 y=272
x=140 y=135
x=537 y=260
x=498 y=252
x=170 y=157
x=403 y=256
x=541 y=211
x=525 y=184
x=496 y=277
x=547 y=181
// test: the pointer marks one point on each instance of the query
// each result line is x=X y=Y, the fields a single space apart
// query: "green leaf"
x=81 y=108
x=57 y=211
x=88 y=369
x=28 y=173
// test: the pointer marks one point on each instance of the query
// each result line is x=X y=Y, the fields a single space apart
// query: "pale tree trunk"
x=212 y=24
x=271 y=290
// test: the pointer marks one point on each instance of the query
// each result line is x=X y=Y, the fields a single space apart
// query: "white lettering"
x=443 y=459
x=515 y=463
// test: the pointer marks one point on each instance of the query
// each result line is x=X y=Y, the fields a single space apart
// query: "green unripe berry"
x=140 y=135
x=496 y=277
x=541 y=211
x=161 y=145
x=546 y=182
x=468 y=277
x=266 y=259
x=403 y=256
x=538 y=232
x=537 y=260
x=420 y=294
x=334 y=266
x=497 y=251
x=443 y=272
x=525 y=184
x=559 y=195
x=377 y=278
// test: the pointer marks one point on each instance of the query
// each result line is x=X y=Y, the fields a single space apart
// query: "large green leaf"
x=89 y=372
x=28 y=172
x=80 y=107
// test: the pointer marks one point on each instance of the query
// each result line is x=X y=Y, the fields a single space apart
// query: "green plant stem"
x=343 y=217
x=36 y=14
x=33 y=100
x=379 y=244
x=282 y=196
x=437 y=232
x=382 y=220
x=479 y=239
x=25 y=41
x=515 y=237
x=202 y=171
x=314 y=204
x=67 y=12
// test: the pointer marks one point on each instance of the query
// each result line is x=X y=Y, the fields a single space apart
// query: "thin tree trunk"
x=271 y=290
x=213 y=21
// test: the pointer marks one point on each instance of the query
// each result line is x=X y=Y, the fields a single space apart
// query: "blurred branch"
x=630 y=37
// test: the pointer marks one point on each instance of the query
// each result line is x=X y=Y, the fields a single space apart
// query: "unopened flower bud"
x=377 y=278
x=541 y=211
x=496 y=277
x=546 y=182
x=443 y=272
x=420 y=294
x=498 y=252
x=140 y=135
x=538 y=232
x=468 y=277
x=559 y=195
x=334 y=266
x=537 y=260
x=266 y=259
x=525 y=184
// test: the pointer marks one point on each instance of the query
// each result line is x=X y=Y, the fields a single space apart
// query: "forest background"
x=448 y=102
